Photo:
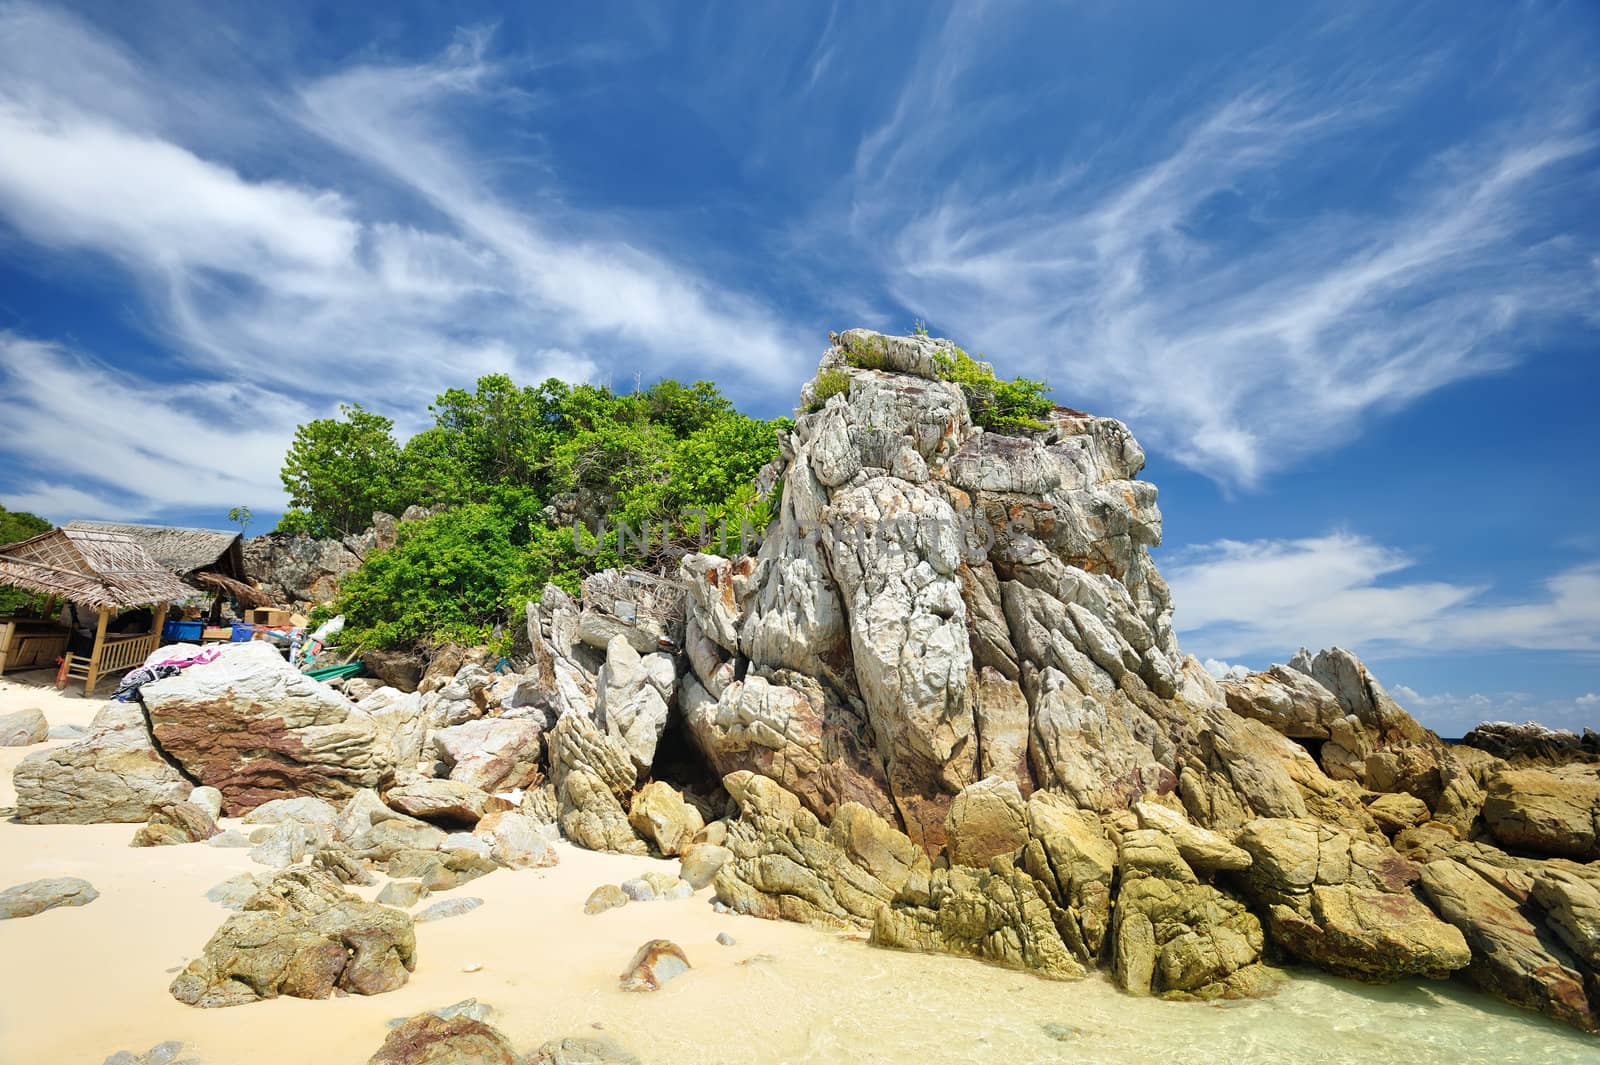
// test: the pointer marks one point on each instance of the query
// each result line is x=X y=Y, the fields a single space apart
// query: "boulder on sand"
x=23 y=728
x=428 y=1039
x=301 y=935
x=37 y=896
x=256 y=729
x=114 y=774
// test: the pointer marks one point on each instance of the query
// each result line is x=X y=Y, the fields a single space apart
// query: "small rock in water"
x=725 y=939
x=605 y=897
x=639 y=890
x=653 y=964
x=1060 y=1032
x=448 y=908
x=583 y=1050
x=37 y=896
x=428 y=1039
x=402 y=893
x=467 y=1007
x=160 y=1054
x=472 y=967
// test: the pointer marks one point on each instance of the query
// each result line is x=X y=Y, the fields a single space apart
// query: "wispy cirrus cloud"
x=1176 y=279
x=1264 y=598
x=314 y=284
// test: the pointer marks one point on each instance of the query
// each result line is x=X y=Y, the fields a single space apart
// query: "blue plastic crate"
x=243 y=633
x=184 y=631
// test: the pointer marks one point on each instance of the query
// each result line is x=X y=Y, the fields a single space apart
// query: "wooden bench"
x=117 y=654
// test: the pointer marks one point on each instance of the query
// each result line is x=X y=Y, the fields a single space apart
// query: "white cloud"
x=1454 y=715
x=313 y=291
x=1236 y=358
x=131 y=447
x=1224 y=670
x=1270 y=596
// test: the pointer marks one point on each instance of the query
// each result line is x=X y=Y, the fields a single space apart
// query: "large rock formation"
x=114 y=774
x=256 y=729
x=300 y=935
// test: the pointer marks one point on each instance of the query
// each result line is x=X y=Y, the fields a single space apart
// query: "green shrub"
x=16 y=526
x=830 y=383
x=1001 y=406
x=494 y=458
x=866 y=353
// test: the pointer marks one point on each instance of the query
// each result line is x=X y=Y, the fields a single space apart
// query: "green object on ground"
x=349 y=669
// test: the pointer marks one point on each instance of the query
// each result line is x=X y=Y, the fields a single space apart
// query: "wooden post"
x=93 y=678
x=161 y=622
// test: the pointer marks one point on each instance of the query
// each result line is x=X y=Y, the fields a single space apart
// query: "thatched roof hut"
x=206 y=558
x=103 y=570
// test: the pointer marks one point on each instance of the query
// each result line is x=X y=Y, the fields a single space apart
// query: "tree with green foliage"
x=16 y=526
x=657 y=459
x=339 y=471
x=241 y=516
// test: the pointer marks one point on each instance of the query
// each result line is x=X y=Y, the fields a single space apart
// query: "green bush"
x=830 y=383
x=1001 y=406
x=16 y=526
x=866 y=353
x=494 y=458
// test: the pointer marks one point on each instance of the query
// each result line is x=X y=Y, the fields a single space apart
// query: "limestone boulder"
x=1205 y=851
x=1570 y=899
x=256 y=729
x=515 y=841
x=663 y=819
x=632 y=698
x=114 y=774
x=301 y=935
x=1511 y=957
x=592 y=818
x=701 y=863
x=987 y=819
x=37 y=896
x=492 y=753
x=785 y=865
x=446 y=801
x=1346 y=904
x=1176 y=937
x=997 y=914
x=23 y=728
x=181 y=822
x=1534 y=811
x=428 y=1039
x=1070 y=856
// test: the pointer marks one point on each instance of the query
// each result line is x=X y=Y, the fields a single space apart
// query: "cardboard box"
x=271 y=617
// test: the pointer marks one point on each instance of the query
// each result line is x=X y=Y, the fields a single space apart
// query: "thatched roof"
x=97 y=569
x=247 y=596
x=183 y=551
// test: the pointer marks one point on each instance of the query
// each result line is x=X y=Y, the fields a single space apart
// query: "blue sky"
x=1336 y=265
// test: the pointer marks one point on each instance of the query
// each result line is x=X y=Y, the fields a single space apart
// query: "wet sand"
x=78 y=984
